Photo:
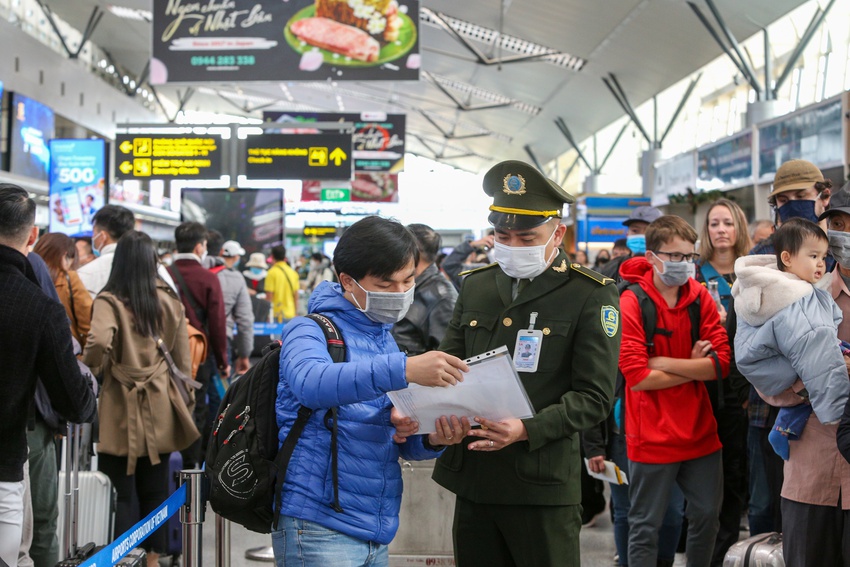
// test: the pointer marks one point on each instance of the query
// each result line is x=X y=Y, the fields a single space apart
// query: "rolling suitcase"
x=763 y=550
x=86 y=505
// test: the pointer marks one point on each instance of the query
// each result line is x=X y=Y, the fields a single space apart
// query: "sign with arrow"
x=168 y=156
x=298 y=156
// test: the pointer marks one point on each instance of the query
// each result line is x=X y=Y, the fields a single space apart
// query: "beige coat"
x=141 y=412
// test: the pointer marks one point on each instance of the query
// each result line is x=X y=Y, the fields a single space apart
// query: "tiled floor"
x=597 y=545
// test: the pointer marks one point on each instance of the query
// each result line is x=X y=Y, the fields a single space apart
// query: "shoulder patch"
x=588 y=273
x=610 y=320
x=482 y=268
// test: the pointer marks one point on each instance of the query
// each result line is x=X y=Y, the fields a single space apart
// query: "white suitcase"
x=763 y=550
x=91 y=497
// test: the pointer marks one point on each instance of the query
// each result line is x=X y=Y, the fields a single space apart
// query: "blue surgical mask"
x=256 y=271
x=802 y=209
x=636 y=243
x=94 y=248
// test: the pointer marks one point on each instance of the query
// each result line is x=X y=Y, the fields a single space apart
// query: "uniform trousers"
x=815 y=536
x=497 y=535
x=701 y=481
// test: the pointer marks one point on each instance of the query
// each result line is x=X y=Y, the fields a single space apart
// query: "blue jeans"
x=671 y=527
x=301 y=543
x=760 y=510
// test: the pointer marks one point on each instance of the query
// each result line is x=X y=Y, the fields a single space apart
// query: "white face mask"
x=385 y=306
x=523 y=261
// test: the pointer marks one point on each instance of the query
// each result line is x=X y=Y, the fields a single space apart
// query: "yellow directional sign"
x=169 y=156
x=317 y=157
x=298 y=156
x=142 y=147
x=338 y=156
x=142 y=167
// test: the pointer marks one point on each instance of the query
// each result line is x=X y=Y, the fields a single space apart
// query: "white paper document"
x=612 y=474
x=491 y=389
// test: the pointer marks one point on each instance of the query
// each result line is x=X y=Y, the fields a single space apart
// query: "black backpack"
x=649 y=317
x=244 y=467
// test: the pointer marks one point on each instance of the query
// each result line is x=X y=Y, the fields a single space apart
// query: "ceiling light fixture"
x=527 y=50
x=130 y=13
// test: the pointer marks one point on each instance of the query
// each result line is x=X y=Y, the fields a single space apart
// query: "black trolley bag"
x=244 y=467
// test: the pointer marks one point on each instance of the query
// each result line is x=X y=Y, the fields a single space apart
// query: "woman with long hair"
x=60 y=254
x=725 y=237
x=142 y=415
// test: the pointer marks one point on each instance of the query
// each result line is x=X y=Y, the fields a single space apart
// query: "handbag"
x=181 y=381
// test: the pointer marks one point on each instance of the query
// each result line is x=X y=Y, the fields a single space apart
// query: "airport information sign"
x=167 y=156
x=298 y=156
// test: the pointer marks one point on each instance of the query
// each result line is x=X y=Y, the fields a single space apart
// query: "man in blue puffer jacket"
x=375 y=260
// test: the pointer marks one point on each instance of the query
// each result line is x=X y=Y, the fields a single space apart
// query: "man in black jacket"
x=434 y=298
x=36 y=341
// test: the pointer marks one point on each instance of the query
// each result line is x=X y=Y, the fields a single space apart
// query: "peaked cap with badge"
x=522 y=196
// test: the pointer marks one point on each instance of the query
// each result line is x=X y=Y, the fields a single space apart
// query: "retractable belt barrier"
x=190 y=501
x=131 y=539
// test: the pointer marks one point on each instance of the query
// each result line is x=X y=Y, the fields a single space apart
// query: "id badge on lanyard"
x=527 y=349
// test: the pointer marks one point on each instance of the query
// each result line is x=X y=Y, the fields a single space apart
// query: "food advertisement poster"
x=294 y=40
x=77 y=184
x=367 y=186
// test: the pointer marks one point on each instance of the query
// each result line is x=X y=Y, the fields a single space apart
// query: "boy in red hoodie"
x=671 y=434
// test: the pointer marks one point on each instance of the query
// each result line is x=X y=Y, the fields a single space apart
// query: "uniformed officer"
x=517 y=481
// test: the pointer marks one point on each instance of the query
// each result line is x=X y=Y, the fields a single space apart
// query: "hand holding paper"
x=490 y=388
x=435 y=368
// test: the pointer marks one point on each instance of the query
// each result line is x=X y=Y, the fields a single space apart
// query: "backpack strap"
x=336 y=348
x=648 y=315
x=184 y=290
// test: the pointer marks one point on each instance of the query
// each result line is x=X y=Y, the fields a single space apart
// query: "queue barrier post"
x=222 y=542
x=192 y=517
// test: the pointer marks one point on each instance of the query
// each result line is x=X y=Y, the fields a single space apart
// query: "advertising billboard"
x=77 y=184
x=32 y=125
x=271 y=40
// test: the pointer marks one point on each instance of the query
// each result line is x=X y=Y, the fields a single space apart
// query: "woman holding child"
x=787 y=345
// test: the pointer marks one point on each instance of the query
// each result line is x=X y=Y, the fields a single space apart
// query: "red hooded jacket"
x=674 y=424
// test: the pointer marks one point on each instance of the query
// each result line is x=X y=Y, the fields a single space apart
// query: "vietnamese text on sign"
x=147 y=156
x=298 y=156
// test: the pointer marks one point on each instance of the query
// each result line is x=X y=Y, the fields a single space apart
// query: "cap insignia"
x=513 y=184
x=562 y=268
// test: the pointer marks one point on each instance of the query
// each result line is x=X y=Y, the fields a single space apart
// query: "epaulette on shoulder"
x=481 y=269
x=588 y=273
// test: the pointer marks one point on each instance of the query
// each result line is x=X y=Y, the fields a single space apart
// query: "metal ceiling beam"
x=181 y=99
x=462 y=105
x=570 y=170
x=480 y=56
x=710 y=28
x=748 y=70
x=815 y=23
x=533 y=157
x=246 y=108
x=94 y=20
x=620 y=95
x=562 y=126
x=679 y=108
x=611 y=149
x=450 y=135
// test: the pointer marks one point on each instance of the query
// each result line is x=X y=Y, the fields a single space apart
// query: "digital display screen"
x=252 y=217
x=32 y=126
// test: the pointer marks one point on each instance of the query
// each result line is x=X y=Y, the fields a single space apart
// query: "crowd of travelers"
x=710 y=366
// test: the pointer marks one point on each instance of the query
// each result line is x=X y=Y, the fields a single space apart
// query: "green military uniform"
x=520 y=505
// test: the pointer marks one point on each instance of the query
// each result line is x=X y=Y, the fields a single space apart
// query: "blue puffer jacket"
x=370 y=482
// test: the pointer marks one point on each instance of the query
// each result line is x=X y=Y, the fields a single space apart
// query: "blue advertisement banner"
x=32 y=124
x=596 y=229
x=613 y=206
x=728 y=163
x=77 y=184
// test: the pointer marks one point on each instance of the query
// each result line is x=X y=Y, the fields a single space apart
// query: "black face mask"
x=602 y=260
x=804 y=209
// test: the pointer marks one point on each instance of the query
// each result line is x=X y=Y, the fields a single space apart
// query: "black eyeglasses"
x=677 y=256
